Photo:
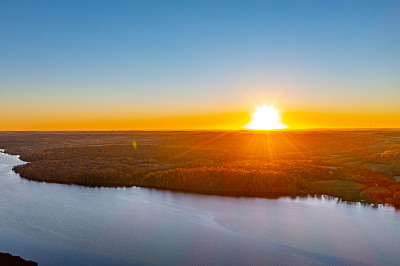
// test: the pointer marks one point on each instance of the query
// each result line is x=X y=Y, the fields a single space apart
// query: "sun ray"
x=203 y=144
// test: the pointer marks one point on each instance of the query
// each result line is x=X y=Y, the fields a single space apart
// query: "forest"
x=352 y=165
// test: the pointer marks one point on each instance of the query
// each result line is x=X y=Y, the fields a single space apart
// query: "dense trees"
x=352 y=165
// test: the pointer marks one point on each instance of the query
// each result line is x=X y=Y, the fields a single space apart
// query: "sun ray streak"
x=202 y=145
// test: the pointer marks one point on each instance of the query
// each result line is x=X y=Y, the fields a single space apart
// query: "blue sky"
x=159 y=58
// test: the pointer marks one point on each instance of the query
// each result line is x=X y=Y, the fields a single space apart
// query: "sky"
x=69 y=65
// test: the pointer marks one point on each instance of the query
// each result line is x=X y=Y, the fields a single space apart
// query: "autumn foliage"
x=351 y=165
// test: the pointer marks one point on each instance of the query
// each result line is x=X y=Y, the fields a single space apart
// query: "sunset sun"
x=265 y=117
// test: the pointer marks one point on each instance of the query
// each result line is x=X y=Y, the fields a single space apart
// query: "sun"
x=266 y=117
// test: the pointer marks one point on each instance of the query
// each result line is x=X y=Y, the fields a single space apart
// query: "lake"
x=56 y=224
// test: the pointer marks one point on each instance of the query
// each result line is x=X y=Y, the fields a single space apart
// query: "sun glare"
x=265 y=117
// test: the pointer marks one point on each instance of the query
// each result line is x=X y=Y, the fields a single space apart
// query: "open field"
x=353 y=165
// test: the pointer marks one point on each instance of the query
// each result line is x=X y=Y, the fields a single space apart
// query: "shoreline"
x=236 y=194
x=241 y=164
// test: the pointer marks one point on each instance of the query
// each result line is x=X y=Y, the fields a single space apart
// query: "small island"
x=352 y=165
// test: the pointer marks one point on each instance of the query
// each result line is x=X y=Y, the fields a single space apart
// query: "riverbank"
x=75 y=225
x=232 y=163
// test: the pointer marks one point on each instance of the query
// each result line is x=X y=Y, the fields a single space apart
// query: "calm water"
x=63 y=225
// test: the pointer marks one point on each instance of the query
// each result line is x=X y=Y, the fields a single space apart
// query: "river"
x=56 y=224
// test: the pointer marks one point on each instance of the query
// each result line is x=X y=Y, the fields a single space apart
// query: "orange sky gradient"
x=230 y=121
x=139 y=65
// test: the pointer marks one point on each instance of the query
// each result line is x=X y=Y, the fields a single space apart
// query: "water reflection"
x=65 y=225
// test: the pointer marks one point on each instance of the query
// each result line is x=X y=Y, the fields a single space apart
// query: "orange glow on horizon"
x=223 y=121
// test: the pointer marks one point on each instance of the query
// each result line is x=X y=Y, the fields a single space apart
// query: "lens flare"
x=134 y=144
